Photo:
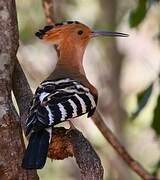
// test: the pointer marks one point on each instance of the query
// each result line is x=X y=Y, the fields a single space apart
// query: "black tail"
x=36 y=152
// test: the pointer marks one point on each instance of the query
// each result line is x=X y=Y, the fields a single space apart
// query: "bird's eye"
x=80 y=32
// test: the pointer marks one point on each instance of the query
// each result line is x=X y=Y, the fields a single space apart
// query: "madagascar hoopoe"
x=66 y=93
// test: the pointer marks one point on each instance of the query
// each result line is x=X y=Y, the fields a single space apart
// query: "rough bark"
x=22 y=91
x=11 y=144
x=86 y=158
x=71 y=143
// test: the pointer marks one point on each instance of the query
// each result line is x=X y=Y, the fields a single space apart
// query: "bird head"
x=72 y=32
x=71 y=39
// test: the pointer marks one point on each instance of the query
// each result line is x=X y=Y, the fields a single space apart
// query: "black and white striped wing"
x=57 y=101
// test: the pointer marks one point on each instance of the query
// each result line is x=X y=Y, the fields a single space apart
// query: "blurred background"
x=124 y=70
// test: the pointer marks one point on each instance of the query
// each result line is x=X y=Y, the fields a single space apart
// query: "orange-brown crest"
x=68 y=32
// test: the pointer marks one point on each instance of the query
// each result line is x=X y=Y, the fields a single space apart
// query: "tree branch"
x=11 y=144
x=48 y=7
x=22 y=91
x=87 y=159
x=68 y=143
x=110 y=137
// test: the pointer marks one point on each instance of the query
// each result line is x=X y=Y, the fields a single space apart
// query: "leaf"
x=137 y=15
x=156 y=119
x=156 y=168
x=142 y=99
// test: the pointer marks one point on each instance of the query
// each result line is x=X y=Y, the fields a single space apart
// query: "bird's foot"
x=72 y=127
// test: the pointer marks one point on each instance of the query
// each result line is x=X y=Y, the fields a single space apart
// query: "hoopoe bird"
x=66 y=93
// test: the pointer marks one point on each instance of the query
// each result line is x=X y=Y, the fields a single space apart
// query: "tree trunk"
x=11 y=144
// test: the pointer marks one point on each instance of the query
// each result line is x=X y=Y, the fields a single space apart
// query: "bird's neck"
x=71 y=57
x=70 y=65
x=70 y=62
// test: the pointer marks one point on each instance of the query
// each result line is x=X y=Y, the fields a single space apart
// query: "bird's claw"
x=72 y=127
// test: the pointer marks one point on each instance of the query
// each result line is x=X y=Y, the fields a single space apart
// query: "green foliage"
x=142 y=99
x=138 y=14
x=156 y=119
x=156 y=168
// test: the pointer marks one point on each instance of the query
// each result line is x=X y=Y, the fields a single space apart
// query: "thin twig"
x=120 y=149
x=48 y=6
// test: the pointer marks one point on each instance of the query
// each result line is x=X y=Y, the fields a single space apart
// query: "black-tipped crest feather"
x=47 y=28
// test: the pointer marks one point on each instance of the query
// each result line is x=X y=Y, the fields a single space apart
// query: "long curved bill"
x=108 y=33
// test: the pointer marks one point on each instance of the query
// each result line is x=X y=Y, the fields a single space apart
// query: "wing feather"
x=57 y=101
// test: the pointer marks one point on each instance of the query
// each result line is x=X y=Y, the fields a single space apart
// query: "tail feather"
x=37 y=149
